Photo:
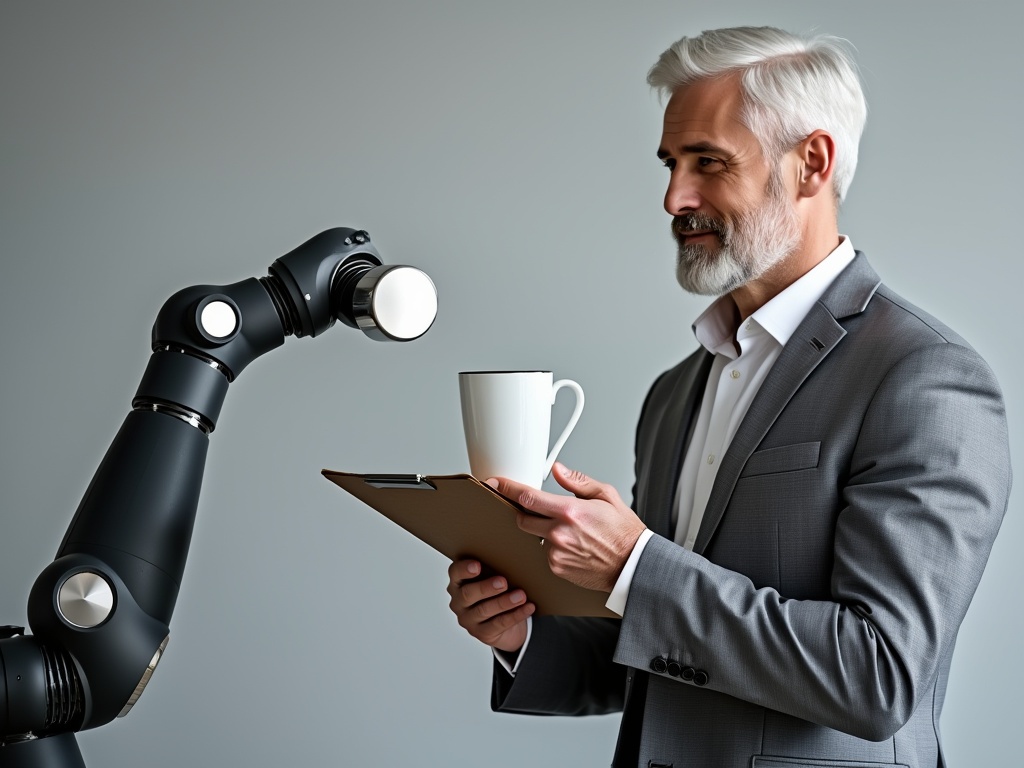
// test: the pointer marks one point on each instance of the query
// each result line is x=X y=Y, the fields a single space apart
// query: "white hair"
x=791 y=86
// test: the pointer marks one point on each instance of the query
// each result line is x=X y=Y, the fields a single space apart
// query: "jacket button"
x=659 y=665
x=674 y=668
x=700 y=677
x=687 y=673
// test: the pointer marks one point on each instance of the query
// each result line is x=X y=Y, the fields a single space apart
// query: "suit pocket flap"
x=764 y=761
x=784 y=458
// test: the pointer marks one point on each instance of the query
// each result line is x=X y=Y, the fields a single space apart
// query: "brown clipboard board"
x=461 y=517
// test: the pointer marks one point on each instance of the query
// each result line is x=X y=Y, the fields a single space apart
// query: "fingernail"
x=473 y=568
x=491 y=482
x=498 y=583
x=517 y=597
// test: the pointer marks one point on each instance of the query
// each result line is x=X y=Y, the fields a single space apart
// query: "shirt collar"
x=717 y=325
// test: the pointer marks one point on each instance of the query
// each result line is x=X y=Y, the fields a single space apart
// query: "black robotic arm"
x=100 y=613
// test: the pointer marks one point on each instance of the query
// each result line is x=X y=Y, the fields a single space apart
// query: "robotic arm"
x=100 y=613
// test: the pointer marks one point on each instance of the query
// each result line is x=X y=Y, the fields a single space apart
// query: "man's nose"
x=682 y=195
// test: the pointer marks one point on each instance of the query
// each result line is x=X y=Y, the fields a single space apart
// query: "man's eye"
x=670 y=164
x=705 y=162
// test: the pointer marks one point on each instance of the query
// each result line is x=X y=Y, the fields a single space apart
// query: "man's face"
x=732 y=217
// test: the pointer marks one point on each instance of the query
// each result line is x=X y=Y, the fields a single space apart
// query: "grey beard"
x=758 y=240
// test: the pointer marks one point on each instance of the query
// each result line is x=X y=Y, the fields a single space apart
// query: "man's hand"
x=486 y=609
x=588 y=538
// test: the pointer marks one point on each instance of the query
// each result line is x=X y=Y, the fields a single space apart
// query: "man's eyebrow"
x=701 y=147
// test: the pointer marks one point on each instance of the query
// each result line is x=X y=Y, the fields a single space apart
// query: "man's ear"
x=817 y=159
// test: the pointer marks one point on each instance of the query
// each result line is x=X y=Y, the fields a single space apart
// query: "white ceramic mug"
x=507 y=419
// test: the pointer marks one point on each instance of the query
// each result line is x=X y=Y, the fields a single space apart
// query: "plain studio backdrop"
x=508 y=149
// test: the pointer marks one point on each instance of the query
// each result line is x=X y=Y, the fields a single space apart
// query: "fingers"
x=490 y=601
x=481 y=599
x=540 y=527
x=527 y=496
x=554 y=505
x=463 y=570
x=473 y=595
x=485 y=607
x=506 y=631
x=584 y=487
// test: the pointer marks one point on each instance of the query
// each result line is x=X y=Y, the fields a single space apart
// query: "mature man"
x=817 y=487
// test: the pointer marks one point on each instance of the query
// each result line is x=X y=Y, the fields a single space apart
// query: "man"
x=817 y=489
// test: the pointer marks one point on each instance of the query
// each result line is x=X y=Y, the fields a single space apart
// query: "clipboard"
x=461 y=518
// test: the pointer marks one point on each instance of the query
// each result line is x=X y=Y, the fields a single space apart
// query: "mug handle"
x=549 y=462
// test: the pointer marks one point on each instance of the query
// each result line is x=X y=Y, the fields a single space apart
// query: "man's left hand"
x=588 y=536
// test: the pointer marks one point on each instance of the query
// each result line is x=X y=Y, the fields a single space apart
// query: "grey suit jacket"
x=845 y=535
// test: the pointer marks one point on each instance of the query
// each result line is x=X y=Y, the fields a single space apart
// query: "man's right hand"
x=486 y=609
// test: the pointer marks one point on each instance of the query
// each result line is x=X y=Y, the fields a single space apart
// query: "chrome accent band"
x=215 y=364
x=145 y=678
x=191 y=418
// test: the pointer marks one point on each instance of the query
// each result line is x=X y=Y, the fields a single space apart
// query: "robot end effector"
x=336 y=275
x=100 y=612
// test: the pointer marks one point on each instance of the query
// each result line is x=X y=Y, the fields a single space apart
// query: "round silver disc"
x=218 y=319
x=85 y=600
x=405 y=303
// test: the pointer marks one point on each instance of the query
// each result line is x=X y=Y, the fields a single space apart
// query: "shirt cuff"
x=510 y=661
x=617 y=599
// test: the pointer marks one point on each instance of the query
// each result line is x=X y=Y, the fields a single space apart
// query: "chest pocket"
x=763 y=761
x=783 y=458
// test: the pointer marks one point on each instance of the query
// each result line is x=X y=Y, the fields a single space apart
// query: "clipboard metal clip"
x=413 y=482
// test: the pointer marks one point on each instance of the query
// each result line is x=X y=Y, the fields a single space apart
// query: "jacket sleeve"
x=927 y=488
x=567 y=670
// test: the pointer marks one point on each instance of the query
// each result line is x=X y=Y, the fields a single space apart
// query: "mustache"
x=697 y=222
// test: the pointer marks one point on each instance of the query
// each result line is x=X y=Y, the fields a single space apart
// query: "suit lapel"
x=671 y=439
x=814 y=339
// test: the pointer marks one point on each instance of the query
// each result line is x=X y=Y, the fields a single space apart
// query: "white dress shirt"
x=736 y=376
x=743 y=357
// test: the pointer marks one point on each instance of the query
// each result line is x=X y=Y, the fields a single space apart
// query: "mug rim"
x=491 y=373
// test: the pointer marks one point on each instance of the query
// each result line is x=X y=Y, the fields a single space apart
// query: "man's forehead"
x=711 y=109
x=704 y=102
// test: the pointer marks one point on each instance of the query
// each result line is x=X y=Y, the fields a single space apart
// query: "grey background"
x=508 y=150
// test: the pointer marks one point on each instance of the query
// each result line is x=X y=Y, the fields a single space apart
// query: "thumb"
x=581 y=485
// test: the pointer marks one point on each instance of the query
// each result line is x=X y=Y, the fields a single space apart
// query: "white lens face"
x=218 y=319
x=405 y=303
